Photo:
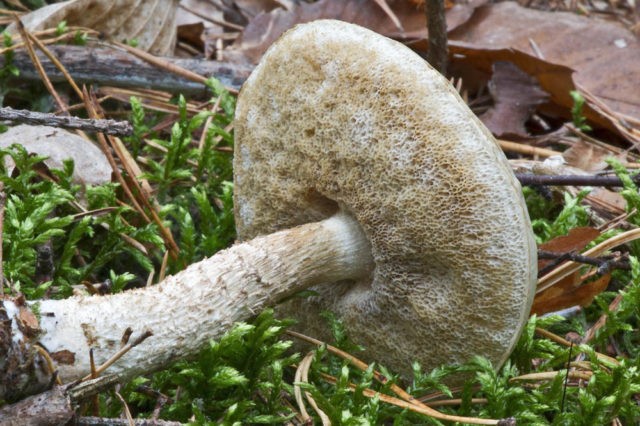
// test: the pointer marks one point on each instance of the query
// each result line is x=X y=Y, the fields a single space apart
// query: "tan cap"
x=337 y=118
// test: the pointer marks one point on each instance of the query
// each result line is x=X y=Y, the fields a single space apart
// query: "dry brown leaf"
x=568 y=292
x=576 y=240
x=459 y=13
x=515 y=96
x=605 y=56
x=192 y=34
x=387 y=10
x=150 y=22
x=251 y=8
x=605 y=203
x=28 y=322
x=198 y=12
x=91 y=166
x=590 y=157
x=265 y=28
x=555 y=79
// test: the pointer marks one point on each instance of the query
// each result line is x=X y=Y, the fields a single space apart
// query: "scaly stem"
x=200 y=303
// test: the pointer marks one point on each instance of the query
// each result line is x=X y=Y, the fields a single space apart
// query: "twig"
x=125 y=408
x=111 y=67
x=438 y=54
x=168 y=66
x=370 y=393
x=115 y=357
x=550 y=375
x=566 y=379
x=604 y=264
x=106 y=149
x=3 y=200
x=109 y=127
x=153 y=393
x=103 y=421
x=95 y=403
x=54 y=406
x=569 y=268
x=564 y=342
x=526 y=149
x=94 y=110
x=406 y=401
x=38 y=65
x=591 y=332
x=44 y=49
x=571 y=180
x=302 y=376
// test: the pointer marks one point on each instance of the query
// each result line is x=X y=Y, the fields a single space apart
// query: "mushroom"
x=378 y=188
x=339 y=120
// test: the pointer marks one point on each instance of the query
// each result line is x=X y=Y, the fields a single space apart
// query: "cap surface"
x=338 y=117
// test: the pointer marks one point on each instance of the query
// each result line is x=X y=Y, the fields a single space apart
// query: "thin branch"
x=523 y=148
x=115 y=357
x=569 y=268
x=572 y=180
x=44 y=49
x=102 y=421
x=109 y=127
x=3 y=200
x=604 y=264
x=591 y=332
x=38 y=65
x=112 y=67
x=438 y=54
x=405 y=400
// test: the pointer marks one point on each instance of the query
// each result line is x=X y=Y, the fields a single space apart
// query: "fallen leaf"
x=265 y=28
x=515 y=96
x=28 y=322
x=151 y=23
x=251 y=8
x=576 y=240
x=568 y=293
x=192 y=34
x=387 y=10
x=589 y=156
x=606 y=203
x=554 y=79
x=459 y=13
x=197 y=12
x=606 y=62
x=91 y=166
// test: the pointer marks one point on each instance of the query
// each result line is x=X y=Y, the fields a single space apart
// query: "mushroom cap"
x=336 y=117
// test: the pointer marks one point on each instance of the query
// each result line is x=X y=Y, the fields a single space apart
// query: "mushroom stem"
x=200 y=303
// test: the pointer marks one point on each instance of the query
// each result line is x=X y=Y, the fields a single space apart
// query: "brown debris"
x=515 y=95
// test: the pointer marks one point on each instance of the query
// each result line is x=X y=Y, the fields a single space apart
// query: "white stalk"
x=200 y=303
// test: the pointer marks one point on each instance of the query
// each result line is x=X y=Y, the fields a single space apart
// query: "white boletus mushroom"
x=337 y=120
x=379 y=189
